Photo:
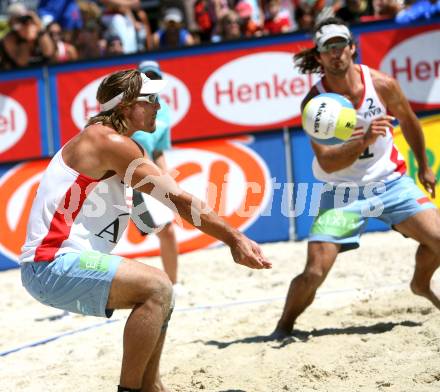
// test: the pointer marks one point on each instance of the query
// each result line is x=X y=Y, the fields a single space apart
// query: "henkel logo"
x=175 y=94
x=230 y=176
x=258 y=89
x=415 y=63
x=85 y=104
x=13 y=122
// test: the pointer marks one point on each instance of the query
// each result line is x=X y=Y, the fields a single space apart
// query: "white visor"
x=148 y=87
x=327 y=32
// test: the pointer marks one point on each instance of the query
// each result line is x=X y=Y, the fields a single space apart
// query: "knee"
x=316 y=269
x=158 y=289
x=314 y=276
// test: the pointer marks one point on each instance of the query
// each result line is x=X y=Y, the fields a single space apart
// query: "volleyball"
x=329 y=118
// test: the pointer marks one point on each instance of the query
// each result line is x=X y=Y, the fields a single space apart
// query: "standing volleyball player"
x=81 y=210
x=369 y=159
x=157 y=217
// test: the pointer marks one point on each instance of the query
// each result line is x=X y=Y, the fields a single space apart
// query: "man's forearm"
x=414 y=136
x=200 y=215
x=340 y=157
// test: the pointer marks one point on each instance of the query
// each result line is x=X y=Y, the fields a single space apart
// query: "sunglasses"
x=335 y=45
x=150 y=98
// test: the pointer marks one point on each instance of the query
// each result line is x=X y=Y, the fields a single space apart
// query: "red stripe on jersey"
x=400 y=163
x=359 y=105
x=423 y=200
x=59 y=229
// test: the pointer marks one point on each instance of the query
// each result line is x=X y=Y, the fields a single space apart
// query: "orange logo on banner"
x=12 y=236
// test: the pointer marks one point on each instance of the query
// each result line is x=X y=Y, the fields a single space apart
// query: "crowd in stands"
x=53 y=31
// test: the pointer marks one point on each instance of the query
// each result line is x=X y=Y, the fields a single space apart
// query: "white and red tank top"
x=381 y=161
x=73 y=212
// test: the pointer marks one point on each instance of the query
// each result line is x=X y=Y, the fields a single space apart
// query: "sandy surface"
x=365 y=332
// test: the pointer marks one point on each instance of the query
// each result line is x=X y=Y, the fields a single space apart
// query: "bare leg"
x=424 y=227
x=148 y=291
x=426 y=264
x=169 y=251
x=151 y=375
x=321 y=257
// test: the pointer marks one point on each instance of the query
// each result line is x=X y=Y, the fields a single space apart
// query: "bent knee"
x=314 y=276
x=161 y=287
x=156 y=287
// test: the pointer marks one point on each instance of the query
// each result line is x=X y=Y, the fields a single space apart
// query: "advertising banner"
x=412 y=56
x=235 y=176
x=431 y=127
x=221 y=92
x=20 y=120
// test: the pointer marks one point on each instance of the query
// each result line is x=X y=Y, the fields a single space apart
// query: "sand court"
x=365 y=331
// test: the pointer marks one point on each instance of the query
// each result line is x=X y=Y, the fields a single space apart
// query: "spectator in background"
x=418 y=9
x=65 y=12
x=204 y=19
x=89 y=11
x=27 y=43
x=119 y=20
x=305 y=16
x=143 y=30
x=383 y=9
x=64 y=51
x=172 y=34
x=90 y=42
x=249 y=28
x=228 y=27
x=257 y=14
x=277 y=20
x=114 y=46
x=353 y=10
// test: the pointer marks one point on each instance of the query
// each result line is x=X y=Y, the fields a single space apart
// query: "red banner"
x=410 y=55
x=209 y=94
x=244 y=87
x=20 y=136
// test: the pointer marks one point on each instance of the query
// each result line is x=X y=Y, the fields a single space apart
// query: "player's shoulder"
x=106 y=139
x=382 y=81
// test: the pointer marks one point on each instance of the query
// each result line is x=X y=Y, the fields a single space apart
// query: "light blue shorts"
x=344 y=210
x=76 y=282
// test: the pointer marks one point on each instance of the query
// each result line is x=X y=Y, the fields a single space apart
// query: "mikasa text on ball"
x=329 y=118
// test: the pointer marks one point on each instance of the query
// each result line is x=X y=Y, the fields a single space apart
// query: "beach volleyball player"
x=80 y=211
x=367 y=170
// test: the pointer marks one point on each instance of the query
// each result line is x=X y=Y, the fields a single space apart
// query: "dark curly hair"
x=306 y=61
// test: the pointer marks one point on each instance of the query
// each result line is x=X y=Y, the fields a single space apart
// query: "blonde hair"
x=128 y=82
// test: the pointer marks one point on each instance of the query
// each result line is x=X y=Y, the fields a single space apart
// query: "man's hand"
x=427 y=179
x=247 y=252
x=378 y=127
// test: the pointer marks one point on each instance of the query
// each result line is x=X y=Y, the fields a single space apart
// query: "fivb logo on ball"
x=13 y=122
x=329 y=118
x=175 y=94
